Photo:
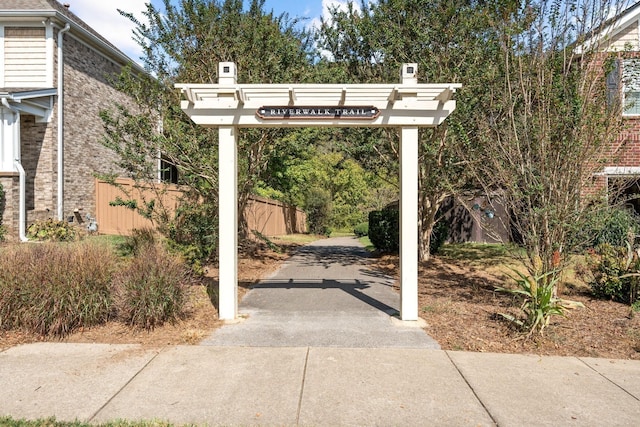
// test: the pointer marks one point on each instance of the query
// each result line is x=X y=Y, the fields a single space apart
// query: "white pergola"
x=228 y=106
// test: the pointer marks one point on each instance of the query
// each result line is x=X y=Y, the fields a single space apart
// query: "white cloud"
x=104 y=18
x=327 y=5
x=342 y=5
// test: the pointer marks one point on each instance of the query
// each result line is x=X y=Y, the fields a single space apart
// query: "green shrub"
x=52 y=230
x=318 y=207
x=611 y=226
x=139 y=239
x=52 y=289
x=617 y=227
x=194 y=233
x=616 y=273
x=538 y=303
x=439 y=236
x=384 y=229
x=151 y=289
x=361 y=229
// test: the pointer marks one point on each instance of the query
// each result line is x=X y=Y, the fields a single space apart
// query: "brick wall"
x=38 y=143
x=10 y=184
x=629 y=154
x=87 y=92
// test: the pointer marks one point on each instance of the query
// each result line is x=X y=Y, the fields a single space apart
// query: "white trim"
x=51 y=48
x=620 y=22
x=1 y=55
x=621 y=171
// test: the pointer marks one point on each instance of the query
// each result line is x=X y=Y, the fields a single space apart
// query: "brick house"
x=54 y=80
x=620 y=175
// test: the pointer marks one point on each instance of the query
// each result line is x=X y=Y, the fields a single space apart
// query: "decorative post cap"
x=409 y=73
x=227 y=73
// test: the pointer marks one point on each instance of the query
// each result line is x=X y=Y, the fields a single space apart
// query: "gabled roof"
x=612 y=27
x=38 y=9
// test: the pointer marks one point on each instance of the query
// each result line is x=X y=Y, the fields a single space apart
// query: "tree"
x=183 y=42
x=333 y=189
x=547 y=123
x=446 y=39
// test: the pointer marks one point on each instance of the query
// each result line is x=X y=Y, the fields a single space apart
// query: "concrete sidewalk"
x=239 y=386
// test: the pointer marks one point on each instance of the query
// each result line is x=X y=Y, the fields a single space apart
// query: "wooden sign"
x=318 y=112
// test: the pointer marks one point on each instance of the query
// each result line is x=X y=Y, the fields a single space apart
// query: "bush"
x=384 y=229
x=616 y=273
x=138 y=240
x=52 y=230
x=151 y=289
x=318 y=208
x=611 y=226
x=194 y=233
x=52 y=290
x=538 y=301
x=439 y=236
x=361 y=229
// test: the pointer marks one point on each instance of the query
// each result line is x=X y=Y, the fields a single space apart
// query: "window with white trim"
x=631 y=87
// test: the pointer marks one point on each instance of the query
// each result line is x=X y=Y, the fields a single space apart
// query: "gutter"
x=22 y=216
x=60 y=204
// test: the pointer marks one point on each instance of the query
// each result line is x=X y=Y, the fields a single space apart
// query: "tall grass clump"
x=151 y=290
x=53 y=289
x=139 y=238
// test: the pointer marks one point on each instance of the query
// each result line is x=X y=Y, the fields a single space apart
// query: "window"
x=624 y=191
x=631 y=87
x=168 y=171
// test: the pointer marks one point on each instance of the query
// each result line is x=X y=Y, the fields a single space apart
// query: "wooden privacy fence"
x=269 y=217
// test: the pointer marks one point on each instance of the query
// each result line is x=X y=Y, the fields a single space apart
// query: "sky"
x=103 y=16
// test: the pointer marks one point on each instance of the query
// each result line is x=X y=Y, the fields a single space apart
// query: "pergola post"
x=228 y=223
x=409 y=223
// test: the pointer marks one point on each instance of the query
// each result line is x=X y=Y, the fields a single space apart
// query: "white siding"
x=25 y=57
x=626 y=39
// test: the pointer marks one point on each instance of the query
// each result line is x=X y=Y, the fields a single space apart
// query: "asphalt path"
x=326 y=295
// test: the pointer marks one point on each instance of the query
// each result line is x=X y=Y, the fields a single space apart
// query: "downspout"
x=60 y=205
x=22 y=210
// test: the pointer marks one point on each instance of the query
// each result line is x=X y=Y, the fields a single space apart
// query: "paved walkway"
x=324 y=296
x=316 y=381
x=313 y=386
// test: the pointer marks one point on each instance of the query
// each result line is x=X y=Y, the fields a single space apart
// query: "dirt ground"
x=456 y=298
x=460 y=305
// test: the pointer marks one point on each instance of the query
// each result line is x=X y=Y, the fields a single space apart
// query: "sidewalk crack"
x=95 y=414
x=608 y=379
x=304 y=376
x=472 y=390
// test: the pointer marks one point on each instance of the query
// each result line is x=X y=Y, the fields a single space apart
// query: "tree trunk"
x=427 y=210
